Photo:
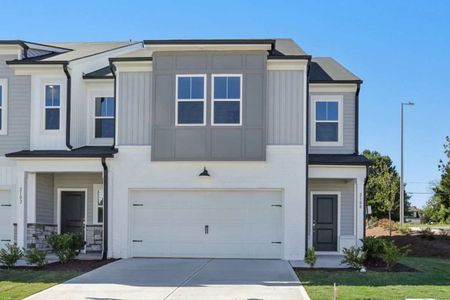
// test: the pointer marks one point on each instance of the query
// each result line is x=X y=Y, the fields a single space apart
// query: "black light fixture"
x=204 y=173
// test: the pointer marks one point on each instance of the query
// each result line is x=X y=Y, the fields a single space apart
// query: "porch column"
x=359 y=210
x=21 y=209
x=31 y=198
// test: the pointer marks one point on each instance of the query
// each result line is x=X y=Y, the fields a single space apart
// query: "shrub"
x=392 y=254
x=10 y=255
x=404 y=229
x=444 y=232
x=354 y=256
x=427 y=233
x=66 y=246
x=36 y=257
x=373 y=247
x=311 y=257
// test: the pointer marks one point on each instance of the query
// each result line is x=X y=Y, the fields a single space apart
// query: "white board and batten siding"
x=206 y=223
x=6 y=228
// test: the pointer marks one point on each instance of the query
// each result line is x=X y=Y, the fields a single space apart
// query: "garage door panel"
x=240 y=224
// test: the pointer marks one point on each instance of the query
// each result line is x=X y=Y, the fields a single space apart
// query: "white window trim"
x=47 y=107
x=213 y=99
x=101 y=117
x=328 y=98
x=4 y=107
x=190 y=100
x=311 y=211
x=97 y=188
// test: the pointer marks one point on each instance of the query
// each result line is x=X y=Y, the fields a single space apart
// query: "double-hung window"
x=3 y=105
x=327 y=120
x=226 y=100
x=104 y=117
x=52 y=107
x=190 y=106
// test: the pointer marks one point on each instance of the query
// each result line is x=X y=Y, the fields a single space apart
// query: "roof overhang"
x=210 y=45
x=315 y=87
x=133 y=64
x=83 y=152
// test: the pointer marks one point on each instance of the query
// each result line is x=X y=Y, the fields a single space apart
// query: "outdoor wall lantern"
x=204 y=173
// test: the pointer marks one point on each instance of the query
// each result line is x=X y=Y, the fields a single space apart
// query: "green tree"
x=437 y=208
x=383 y=186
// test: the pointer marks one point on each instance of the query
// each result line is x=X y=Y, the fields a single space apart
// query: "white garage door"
x=5 y=219
x=220 y=224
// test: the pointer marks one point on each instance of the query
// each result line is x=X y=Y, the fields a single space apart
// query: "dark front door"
x=325 y=222
x=72 y=212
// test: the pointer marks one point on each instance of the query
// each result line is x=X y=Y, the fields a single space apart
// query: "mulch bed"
x=72 y=266
x=437 y=246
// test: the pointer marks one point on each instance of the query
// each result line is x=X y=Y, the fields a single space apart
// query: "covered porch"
x=58 y=196
x=336 y=205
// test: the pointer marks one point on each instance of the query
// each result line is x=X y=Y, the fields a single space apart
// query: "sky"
x=401 y=49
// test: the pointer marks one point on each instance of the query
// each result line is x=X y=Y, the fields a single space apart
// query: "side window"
x=327 y=121
x=104 y=117
x=52 y=107
x=3 y=105
x=98 y=204
x=226 y=100
x=190 y=94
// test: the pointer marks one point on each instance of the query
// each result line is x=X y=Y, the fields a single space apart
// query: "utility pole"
x=402 y=184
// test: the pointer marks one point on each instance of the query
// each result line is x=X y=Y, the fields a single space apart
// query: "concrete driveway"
x=141 y=278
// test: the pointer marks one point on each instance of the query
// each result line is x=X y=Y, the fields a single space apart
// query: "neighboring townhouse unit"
x=241 y=148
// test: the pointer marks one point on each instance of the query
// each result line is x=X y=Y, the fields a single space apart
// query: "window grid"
x=109 y=101
x=55 y=104
x=328 y=119
x=190 y=99
x=214 y=99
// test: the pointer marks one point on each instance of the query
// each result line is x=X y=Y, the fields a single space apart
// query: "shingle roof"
x=326 y=69
x=103 y=73
x=282 y=47
x=86 y=151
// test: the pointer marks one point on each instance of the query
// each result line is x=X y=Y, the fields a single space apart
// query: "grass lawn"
x=18 y=284
x=432 y=282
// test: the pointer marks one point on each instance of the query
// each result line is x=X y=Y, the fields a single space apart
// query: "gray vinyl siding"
x=285 y=105
x=214 y=143
x=347 y=204
x=348 y=146
x=19 y=95
x=45 y=201
x=135 y=110
x=80 y=180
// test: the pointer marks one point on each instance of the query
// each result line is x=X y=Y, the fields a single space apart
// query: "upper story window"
x=190 y=108
x=52 y=107
x=3 y=105
x=226 y=100
x=327 y=126
x=104 y=117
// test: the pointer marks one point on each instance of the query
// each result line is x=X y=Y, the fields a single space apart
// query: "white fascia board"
x=60 y=164
x=38 y=69
x=99 y=82
x=336 y=172
x=210 y=47
x=332 y=87
x=287 y=64
x=134 y=66
x=11 y=50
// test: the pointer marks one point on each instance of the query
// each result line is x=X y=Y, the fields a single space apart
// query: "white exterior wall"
x=8 y=179
x=284 y=170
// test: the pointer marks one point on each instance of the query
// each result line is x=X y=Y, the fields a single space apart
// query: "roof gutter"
x=113 y=72
x=307 y=158
x=105 y=209
x=357 y=118
x=68 y=106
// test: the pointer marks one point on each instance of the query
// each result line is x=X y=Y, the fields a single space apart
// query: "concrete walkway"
x=141 y=278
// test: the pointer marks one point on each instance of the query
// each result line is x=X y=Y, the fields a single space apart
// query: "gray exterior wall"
x=79 y=180
x=135 y=110
x=45 y=201
x=219 y=143
x=348 y=146
x=285 y=107
x=19 y=97
x=347 y=205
